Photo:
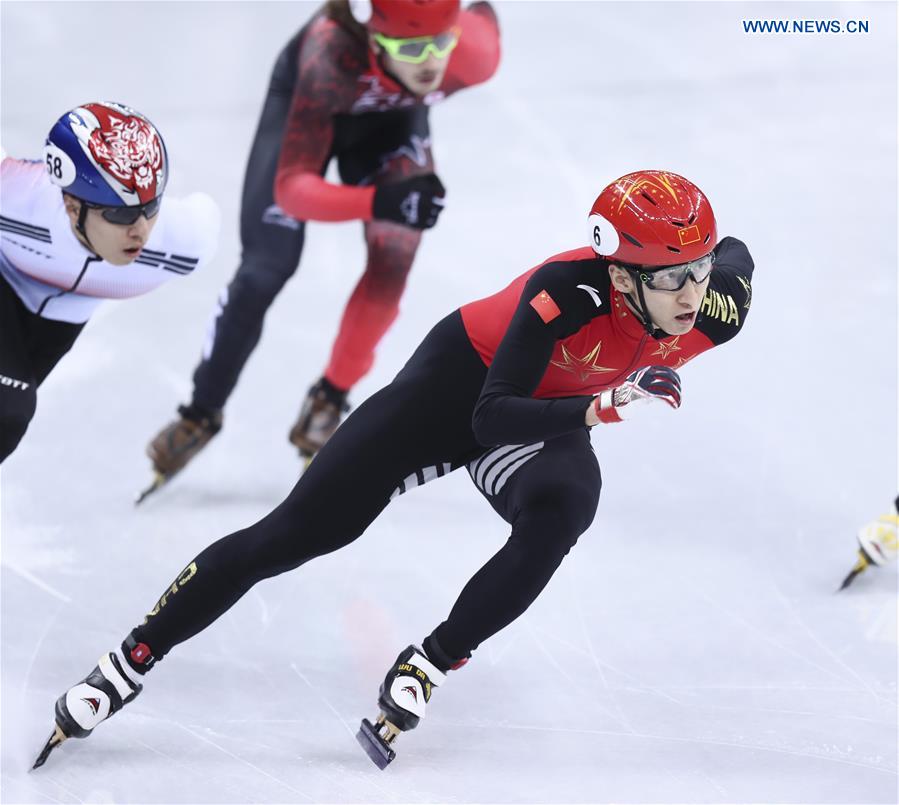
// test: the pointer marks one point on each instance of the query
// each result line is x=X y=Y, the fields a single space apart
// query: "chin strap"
x=640 y=308
x=79 y=226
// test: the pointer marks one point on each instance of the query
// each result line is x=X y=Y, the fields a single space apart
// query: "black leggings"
x=416 y=428
x=30 y=346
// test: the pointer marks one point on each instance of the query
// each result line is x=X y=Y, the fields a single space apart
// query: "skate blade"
x=376 y=747
x=55 y=740
x=860 y=567
x=159 y=480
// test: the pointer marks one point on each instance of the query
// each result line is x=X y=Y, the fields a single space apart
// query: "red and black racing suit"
x=500 y=386
x=329 y=98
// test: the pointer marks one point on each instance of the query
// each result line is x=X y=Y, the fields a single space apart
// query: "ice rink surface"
x=691 y=648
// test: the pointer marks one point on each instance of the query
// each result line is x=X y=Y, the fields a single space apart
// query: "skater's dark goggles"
x=125 y=216
x=416 y=49
x=673 y=278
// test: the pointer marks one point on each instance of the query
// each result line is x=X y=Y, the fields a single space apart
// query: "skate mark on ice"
x=40 y=642
x=71 y=793
x=567 y=676
x=665 y=692
x=582 y=624
x=242 y=740
x=173 y=758
x=538 y=641
x=714 y=783
x=245 y=762
x=324 y=701
x=674 y=739
x=788 y=688
x=637 y=683
x=303 y=723
x=230 y=736
x=41 y=585
x=264 y=615
x=810 y=713
x=190 y=769
x=797 y=615
x=369 y=781
x=766 y=638
x=496 y=653
x=43 y=794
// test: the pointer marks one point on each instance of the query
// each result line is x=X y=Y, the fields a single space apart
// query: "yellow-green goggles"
x=416 y=49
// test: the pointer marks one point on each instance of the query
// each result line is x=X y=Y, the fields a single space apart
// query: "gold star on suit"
x=583 y=367
x=666 y=349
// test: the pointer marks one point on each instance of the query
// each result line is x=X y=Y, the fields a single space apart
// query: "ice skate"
x=103 y=692
x=860 y=566
x=320 y=415
x=178 y=442
x=878 y=545
x=405 y=692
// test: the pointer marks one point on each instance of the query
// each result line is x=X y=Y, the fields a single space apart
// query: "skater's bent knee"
x=568 y=509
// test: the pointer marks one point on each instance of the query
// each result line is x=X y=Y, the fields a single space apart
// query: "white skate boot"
x=404 y=694
x=103 y=692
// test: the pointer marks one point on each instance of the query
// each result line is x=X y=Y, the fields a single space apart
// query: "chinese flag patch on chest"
x=546 y=308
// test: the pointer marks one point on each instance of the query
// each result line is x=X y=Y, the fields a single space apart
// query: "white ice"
x=692 y=647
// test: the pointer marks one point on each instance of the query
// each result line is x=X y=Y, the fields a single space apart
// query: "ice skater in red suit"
x=360 y=93
x=507 y=387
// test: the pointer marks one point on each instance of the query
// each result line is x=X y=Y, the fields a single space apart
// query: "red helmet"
x=652 y=218
x=404 y=19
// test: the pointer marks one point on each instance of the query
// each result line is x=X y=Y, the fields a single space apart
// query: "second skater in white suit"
x=106 y=235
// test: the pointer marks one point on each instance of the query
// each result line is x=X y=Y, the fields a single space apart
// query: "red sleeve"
x=476 y=57
x=330 y=61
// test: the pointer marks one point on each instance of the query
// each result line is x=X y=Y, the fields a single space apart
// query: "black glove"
x=415 y=202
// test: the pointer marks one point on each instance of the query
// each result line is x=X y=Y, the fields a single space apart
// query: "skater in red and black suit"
x=508 y=387
x=360 y=94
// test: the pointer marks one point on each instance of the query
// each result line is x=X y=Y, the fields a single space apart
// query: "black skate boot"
x=103 y=692
x=179 y=441
x=322 y=410
x=405 y=692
